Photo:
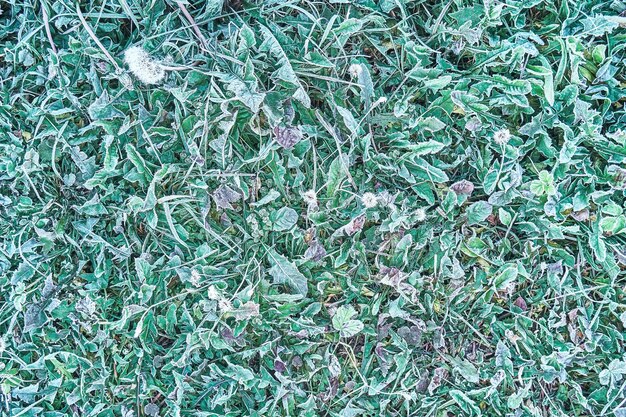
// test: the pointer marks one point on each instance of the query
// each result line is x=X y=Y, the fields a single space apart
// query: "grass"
x=296 y=208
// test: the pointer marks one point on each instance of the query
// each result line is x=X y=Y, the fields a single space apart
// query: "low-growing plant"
x=299 y=208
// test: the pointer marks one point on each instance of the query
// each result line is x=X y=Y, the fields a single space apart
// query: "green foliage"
x=334 y=208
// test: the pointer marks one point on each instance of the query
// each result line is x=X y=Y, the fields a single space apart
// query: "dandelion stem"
x=95 y=38
x=191 y=20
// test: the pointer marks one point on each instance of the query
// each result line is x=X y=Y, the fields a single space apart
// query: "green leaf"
x=598 y=25
x=366 y=84
x=285 y=272
x=239 y=373
x=465 y=403
x=567 y=152
x=318 y=59
x=467 y=370
x=514 y=87
x=102 y=109
x=268 y=198
x=425 y=148
x=349 y=120
x=284 y=219
x=505 y=278
x=613 y=225
x=347 y=28
x=469 y=103
x=285 y=71
x=438 y=83
x=424 y=170
x=596 y=242
x=514 y=401
x=503 y=355
x=246 y=92
x=138 y=161
x=342 y=322
x=22 y=273
x=614 y=372
x=505 y=217
x=478 y=212
x=336 y=175
x=431 y=124
x=536 y=187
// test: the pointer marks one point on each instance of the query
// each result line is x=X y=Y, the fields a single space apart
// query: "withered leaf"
x=287 y=136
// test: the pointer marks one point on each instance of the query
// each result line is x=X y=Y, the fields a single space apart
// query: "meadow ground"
x=312 y=208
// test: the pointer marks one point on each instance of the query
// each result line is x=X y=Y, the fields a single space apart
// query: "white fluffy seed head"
x=213 y=294
x=369 y=200
x=195 y=278
x=146 y=69
x=309 y=197
x=502 y=136
x=420 y=214
x=355 y=70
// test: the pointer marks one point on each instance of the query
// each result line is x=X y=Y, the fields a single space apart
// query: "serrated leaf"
x=347 y=28
x=285 y=272
x=465 y=403
x=285 y=71
x=598 y=25
x=596 y=242
x=514 y=87
x=103 y=109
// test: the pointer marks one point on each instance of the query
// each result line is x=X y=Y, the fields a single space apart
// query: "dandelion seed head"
x=369 y=200
x=420 y=214
x=502 y=136
x=310 y=198
x=355 y=70
x=195 y=278
x=212 y=293
x=146 y=69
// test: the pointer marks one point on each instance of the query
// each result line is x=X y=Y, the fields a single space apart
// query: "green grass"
x=299 y=208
